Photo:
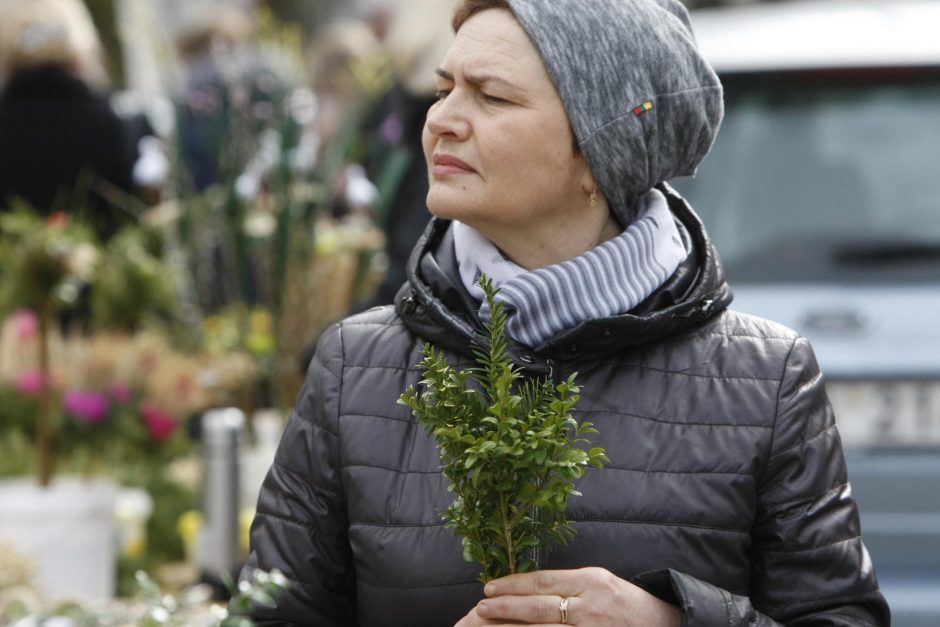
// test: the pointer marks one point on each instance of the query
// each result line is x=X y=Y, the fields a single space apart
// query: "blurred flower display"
x=253 y=191
x=260 y=231
x=149 y=606
x=91 y=377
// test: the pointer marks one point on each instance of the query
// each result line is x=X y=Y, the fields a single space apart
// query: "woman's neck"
x=533 y=249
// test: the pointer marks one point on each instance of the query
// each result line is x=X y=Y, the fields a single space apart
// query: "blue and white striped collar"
x=608 y=280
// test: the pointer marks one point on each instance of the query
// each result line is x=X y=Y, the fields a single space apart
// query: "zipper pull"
x=410 y=303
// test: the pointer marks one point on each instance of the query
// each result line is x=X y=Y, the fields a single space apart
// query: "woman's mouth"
x=447 y=165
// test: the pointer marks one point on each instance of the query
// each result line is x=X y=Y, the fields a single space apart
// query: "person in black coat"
x=62 y=147
x=725 y=500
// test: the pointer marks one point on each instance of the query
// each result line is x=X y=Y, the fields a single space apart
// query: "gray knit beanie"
x=643 y=103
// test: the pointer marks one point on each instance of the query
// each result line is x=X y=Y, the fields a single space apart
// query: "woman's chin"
x=448 y=208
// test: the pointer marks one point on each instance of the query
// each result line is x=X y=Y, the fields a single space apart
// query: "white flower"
x=82 y=259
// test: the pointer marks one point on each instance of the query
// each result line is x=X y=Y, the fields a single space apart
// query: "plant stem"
x=44 y=434
x=520 y=513
x=507 y=534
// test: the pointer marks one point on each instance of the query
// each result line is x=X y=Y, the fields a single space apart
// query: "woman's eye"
x=440 y=94
x=494 y=99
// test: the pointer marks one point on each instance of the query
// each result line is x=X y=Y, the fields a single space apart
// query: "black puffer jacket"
x=726 y=492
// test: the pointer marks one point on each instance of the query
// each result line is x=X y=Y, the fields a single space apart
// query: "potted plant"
x=75 y=403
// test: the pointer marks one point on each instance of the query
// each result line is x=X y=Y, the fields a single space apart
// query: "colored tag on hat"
x=643 y=108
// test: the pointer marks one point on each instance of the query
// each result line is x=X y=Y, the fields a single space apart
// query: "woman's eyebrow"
x=476 y=79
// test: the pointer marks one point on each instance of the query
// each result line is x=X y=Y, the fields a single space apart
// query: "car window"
x=825 y=175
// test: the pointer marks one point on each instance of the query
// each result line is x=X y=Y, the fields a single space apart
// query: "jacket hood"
x=435 y=305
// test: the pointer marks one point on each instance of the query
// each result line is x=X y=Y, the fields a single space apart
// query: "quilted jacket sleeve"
x=809 y=564
x=300 y=527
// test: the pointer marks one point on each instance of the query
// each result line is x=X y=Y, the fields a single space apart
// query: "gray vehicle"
x=822 y=194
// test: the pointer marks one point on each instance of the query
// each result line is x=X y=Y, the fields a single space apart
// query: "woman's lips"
x=445 y=165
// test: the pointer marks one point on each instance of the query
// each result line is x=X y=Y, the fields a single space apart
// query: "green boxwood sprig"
x=509 y=448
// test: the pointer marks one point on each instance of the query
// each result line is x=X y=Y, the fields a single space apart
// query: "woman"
x=725 y=501
x=62 y=148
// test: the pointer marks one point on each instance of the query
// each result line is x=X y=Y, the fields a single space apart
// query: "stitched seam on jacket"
x=407 y=421
x=377 y=367
x=827 y=430
x=373 y=324
x=694 y=375
x=726 y=597
x=305 y=479
x=385 y=525
x=314 y=424
x=339 y=408
x=399 y=471
x=335 y=538
x=803 y=499
x=421 y=586
x=672 y=422
x=780 y=338
x=812 y=548
x=317 y=359
x=606 y=467
x=677 y=472
x=659 y=523
x=360 y=414
x=363 y=523
x=773 y=433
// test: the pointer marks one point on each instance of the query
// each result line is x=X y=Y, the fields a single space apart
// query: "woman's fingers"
x=539 y=608
x=561 y=582
x=570 y=597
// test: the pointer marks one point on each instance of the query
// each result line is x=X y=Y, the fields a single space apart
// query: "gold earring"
x=592 y=200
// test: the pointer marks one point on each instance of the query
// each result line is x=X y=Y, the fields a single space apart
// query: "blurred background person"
x=232 y=132
x=418 y=36
x=349 y=73
x=62 y=148
x=373 y=95
x=224 y=80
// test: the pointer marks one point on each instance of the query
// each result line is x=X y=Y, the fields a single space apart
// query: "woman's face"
x=497 y=142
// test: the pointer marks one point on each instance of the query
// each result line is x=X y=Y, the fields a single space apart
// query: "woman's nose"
x=447 y=118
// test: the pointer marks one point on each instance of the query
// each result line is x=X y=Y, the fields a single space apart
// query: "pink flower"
x=161 y=425
x=89 y=407
x=26 y=324
x=29 y=383
x=121 y=393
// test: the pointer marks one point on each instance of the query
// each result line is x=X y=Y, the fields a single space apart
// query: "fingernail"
x=482 y=609
x=489 y=590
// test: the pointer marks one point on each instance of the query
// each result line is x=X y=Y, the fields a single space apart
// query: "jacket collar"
x=435 y=305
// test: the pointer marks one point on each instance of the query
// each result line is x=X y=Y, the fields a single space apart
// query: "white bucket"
x=66 y=530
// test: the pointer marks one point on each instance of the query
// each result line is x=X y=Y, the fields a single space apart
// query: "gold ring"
x=563 y=608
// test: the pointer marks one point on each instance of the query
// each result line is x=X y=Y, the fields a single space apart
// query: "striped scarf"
x=608 y=280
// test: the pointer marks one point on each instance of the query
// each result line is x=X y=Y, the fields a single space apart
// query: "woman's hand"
x=596 y=598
